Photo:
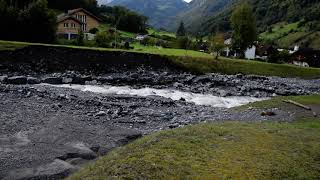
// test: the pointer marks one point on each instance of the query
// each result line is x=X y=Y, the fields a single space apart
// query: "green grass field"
x=225 y=150
x=12 y=45
x=157 y=32
x=198 y=62
x=233 y=66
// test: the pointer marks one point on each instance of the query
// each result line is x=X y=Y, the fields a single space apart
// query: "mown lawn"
x=221 y=150
x=234 y=66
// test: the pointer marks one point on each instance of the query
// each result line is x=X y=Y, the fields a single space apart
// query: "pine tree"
x=181 y=30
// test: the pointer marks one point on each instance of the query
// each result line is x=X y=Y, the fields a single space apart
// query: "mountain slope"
x=199 y=11
x=160 y=12
x=104 y=1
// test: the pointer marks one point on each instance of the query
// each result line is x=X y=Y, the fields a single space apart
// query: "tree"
x=183 y=42
x=181 y=30
x=217 y=44
x=124 y=19
x=244 y=29
x=34 y=18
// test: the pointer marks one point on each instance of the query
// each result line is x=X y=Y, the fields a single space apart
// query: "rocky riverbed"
x=50 y=128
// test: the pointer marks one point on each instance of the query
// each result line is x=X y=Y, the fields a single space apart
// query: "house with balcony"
x=72 y=22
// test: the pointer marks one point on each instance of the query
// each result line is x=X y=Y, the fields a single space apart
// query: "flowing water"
x=196 y=98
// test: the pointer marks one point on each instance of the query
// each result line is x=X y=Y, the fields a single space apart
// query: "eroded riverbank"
x=52 y=130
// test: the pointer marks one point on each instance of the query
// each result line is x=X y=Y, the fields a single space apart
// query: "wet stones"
x=56 y=106
x=268 y=113
x=174 y=125
x=66 y=80
x=100 y=114
x=223 y=93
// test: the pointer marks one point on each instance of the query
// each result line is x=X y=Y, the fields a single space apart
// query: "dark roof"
x=70 y=12
x=62 y=18
x=307 y=51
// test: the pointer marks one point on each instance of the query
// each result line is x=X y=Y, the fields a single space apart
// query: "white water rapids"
x=198 y=99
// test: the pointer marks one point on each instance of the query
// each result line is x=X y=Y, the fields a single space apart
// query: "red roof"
x=62 y=18
x=70 y=12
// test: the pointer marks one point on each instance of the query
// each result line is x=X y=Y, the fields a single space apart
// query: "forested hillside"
x=198 y=12
x=72 y=4
x=271 y=12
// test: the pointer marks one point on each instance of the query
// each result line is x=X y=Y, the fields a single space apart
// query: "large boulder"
x=58 y=169
x=17 y=80
x=3 y=79
x=32 y=80
x=52 y=80
x=78 y=150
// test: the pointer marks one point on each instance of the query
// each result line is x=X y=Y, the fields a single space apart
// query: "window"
x=85 y=18
x=66 y=25
x=84 y=27
x=73 y=25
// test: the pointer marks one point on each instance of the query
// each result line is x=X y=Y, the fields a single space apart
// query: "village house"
x=141 y=37
x=72 y=22
x=250 y=53
x=306 y=57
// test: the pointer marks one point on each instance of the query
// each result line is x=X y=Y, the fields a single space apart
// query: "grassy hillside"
x=198 y=62
x=229 y=150
x=290 y=34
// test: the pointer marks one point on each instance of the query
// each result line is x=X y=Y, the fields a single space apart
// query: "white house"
x=250 y=53
x=141 y=37
x=300 y=63
x=295 y=49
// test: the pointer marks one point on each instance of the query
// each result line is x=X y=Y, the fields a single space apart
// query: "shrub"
x=183 y=42
x=94 y=30
x=103 y=39
x=80 y=41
